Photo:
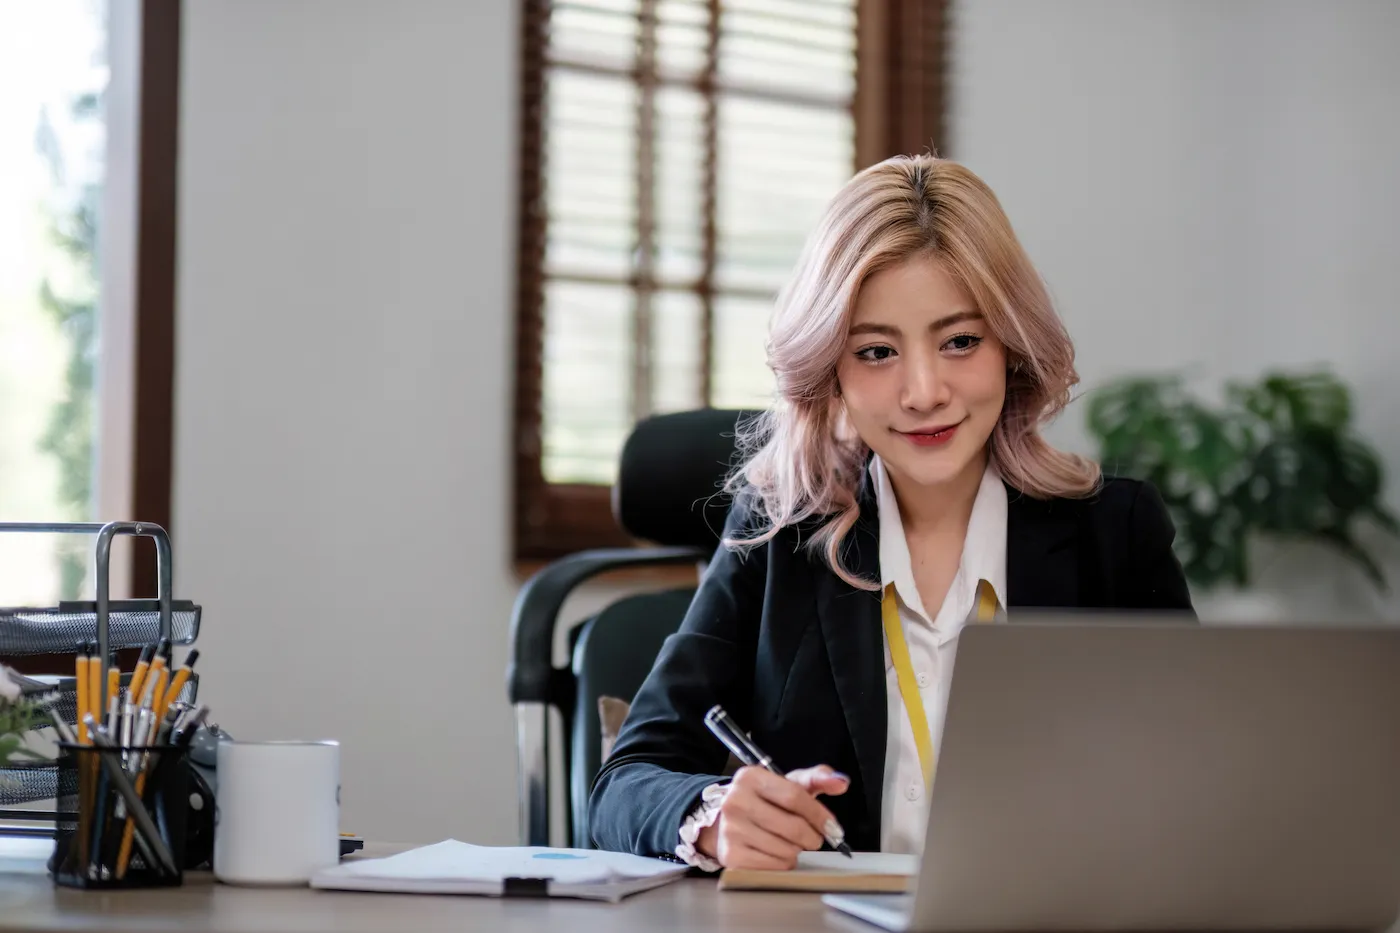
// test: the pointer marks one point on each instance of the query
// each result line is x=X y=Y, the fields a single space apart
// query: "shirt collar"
x=984 y=548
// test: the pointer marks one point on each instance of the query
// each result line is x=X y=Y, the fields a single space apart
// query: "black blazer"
x=797 y=655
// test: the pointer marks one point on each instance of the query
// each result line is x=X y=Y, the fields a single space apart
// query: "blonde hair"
x=801 y=459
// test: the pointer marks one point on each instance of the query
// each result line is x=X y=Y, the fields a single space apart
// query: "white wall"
x=344 y=339
x=1201 y=183
x=1209 y=186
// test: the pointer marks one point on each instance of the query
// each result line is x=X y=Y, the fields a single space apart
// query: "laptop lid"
x=1097 y=776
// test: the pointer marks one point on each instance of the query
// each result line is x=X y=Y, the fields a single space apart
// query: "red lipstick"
x=930 y=437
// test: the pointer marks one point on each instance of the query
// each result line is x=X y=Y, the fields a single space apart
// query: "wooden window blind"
x=675 y=154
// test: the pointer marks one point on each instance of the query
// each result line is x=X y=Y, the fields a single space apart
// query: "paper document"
x=877 y=872
x=453 y=867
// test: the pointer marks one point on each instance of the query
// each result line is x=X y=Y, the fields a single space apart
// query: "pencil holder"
x=101 y=840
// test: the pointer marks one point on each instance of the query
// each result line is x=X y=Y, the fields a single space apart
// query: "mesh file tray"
x=131 y=624
x=25 y=782
x=113 y=624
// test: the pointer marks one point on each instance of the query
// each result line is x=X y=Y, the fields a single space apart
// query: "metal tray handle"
x=105 y=533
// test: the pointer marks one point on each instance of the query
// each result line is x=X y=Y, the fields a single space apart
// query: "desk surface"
x=30 y=901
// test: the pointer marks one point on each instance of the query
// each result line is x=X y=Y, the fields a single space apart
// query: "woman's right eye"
x=875 y=354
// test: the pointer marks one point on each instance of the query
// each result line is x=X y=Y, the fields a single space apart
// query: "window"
x=675 y=155
x=87 y=180
x=53 y=75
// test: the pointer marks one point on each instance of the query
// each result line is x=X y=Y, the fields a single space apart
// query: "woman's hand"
x=766 y=820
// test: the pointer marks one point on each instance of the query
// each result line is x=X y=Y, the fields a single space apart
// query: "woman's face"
x=922 y=375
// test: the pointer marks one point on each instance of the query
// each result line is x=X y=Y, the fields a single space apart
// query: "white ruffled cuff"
x=701 y=817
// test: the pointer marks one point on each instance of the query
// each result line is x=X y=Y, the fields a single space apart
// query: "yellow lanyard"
x=985 y=611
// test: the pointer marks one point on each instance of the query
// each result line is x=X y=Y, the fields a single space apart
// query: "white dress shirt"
x=932 y=641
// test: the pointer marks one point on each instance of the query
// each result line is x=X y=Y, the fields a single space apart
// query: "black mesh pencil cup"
x=103 y=839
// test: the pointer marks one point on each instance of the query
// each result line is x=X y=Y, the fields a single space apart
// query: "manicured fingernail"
x=840 y=777
x=834 y=833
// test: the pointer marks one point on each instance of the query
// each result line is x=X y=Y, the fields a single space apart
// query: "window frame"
x=899 y=107
x=157 y=183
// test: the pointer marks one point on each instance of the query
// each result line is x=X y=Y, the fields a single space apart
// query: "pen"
x=167 y=724
x=61 y=727
x=743 y=747
x=184 y=735
x=157 y=693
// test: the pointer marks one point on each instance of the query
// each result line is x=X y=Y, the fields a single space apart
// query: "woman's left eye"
x=962 y=343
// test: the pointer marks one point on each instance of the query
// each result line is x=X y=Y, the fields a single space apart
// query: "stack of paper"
x=876 y=872
x=453 y=867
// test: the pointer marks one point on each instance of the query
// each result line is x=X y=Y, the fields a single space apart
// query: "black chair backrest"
x=669 y=492
x=671 y=476
x=613 y=655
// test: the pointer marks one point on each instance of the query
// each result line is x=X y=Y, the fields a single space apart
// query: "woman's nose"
x=925 y=388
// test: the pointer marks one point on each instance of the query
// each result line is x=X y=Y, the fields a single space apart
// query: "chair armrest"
x=536 y=611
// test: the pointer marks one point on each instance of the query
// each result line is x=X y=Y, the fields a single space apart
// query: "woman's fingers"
x=747 y=836
x=740 y=856
x=822 y=779
x=793 y=798
x=767 y=819
x=773 y=819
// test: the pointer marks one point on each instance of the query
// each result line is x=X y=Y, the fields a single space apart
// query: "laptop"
x=1107 y=775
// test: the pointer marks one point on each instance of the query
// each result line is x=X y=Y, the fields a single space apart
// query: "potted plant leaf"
x=19 y=714
x=1277 y=458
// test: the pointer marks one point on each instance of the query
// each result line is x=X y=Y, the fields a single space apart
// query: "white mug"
x=277 y=811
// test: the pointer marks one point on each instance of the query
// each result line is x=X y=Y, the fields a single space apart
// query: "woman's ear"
x=840 y=423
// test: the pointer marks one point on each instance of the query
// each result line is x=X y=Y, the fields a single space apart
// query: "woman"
x=899 y=488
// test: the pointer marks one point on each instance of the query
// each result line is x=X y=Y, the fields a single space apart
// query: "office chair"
x=668 y=492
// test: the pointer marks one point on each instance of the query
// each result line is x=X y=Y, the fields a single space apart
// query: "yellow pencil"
x=149 y=685
x=114 y=685
x=158 y=694
x=124 y=852
x=138 y=676
x=182 y=677
x=83 y=684
x=154 y=688
x=95 y=688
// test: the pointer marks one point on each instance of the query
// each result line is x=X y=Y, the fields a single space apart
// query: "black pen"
x=742 y=745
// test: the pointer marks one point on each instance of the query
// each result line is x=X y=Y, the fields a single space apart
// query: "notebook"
x=453 y=867
x=873 y=872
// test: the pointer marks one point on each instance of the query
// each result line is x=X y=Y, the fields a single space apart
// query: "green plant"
x=18 y=714
x=1277 y=457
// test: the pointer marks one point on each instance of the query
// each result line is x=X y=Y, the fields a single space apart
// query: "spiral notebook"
x=453 y=867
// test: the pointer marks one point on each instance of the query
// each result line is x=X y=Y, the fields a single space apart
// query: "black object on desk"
x=94 y=848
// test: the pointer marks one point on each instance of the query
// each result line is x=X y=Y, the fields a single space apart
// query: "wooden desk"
x=30 y=901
